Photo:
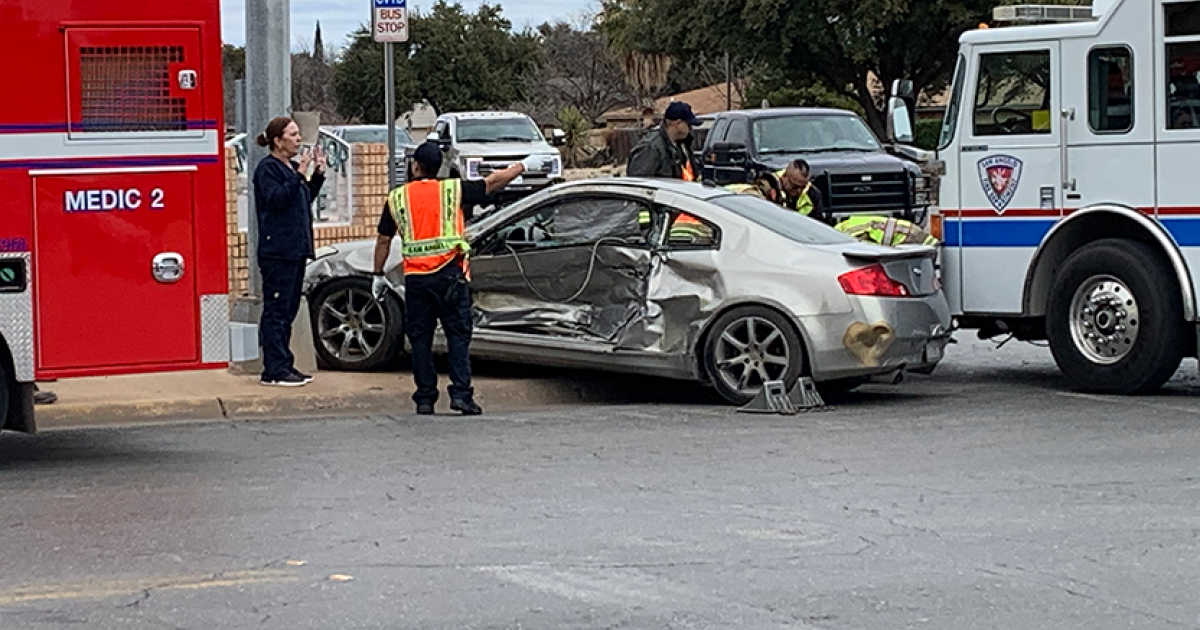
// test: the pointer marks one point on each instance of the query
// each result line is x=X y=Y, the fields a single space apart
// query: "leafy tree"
x=233 y=64
x=837 y=43
x=455 y=60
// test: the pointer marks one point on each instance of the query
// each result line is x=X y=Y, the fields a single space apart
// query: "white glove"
x=379 y=287
x=538 y=163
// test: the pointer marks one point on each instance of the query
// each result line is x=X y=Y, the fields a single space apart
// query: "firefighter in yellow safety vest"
x=429 y=215
x=885 y=231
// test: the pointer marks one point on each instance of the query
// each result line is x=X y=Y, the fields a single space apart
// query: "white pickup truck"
x=475 y=144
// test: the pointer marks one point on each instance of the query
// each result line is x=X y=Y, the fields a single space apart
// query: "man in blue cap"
x=667 y=152
x=430 y=216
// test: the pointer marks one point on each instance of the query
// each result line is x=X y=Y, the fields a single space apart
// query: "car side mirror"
x=728 y=154
x=902 y=88
x=899 y=123
x=558 y=137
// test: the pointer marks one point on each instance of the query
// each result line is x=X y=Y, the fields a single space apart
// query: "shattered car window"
x=786 y=223
x=688 y=232
x=581 y=222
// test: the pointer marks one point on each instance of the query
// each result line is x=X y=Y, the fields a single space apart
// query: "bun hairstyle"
x=274 y=132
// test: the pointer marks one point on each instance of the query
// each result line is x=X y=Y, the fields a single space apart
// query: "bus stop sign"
x=389 y=21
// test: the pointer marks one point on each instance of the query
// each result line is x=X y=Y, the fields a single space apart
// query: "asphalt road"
x=986 y=496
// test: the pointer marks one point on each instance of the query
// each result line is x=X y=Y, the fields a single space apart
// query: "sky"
x=341 y=17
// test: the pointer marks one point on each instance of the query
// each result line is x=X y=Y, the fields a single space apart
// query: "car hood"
x=503 y=149
x=835 y=161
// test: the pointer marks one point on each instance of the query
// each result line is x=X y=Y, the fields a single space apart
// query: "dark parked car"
x=853 y=170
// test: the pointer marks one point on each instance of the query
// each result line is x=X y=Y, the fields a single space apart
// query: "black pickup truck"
x=853 y=170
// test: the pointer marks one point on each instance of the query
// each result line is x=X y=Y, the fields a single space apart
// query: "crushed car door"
x=575 y=268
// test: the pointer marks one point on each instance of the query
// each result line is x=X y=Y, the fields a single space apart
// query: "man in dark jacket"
x=666 y=152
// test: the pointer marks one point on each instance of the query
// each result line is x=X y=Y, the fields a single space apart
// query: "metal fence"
x=334 y=206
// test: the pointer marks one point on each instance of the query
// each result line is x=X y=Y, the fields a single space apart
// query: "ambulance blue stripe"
x=1030 y=233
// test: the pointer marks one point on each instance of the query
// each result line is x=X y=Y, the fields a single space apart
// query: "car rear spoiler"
x=878 y=253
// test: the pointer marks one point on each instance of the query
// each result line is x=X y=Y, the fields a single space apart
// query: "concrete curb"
x=370 y=398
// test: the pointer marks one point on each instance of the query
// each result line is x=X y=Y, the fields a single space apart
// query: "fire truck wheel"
x=1115 y=318
x=353 y=331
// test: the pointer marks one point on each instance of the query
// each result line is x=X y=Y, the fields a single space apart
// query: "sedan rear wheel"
x=748 y=347
x=354 y=331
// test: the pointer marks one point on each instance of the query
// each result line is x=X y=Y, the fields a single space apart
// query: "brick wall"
x=369 y=164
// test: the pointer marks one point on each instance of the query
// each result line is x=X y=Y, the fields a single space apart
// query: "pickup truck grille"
x=882 y=192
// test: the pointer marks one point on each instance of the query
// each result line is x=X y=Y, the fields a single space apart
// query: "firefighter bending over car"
x=430 y=215
x=793 y=189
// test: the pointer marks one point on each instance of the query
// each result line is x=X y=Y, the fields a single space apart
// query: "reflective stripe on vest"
x=885 y=231
x=429 y=215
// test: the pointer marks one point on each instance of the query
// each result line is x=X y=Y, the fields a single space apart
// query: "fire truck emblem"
x=1000 y=176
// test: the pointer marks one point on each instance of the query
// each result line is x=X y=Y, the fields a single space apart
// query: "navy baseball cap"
x=429 y=156
x=681 y=111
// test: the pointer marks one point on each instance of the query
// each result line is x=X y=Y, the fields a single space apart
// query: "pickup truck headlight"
x=555 y=168
x=921 y=198
x=472 y=165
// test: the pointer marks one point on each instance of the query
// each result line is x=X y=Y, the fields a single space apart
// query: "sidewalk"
x=219 y=395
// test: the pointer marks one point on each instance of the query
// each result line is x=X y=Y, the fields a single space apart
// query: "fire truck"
x=112 y=216
x=1070 y=202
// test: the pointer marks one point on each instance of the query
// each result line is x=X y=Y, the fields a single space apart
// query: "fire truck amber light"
x=872 y=280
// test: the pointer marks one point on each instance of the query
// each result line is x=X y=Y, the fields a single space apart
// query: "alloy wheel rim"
x=352 y=325
x=750 y=352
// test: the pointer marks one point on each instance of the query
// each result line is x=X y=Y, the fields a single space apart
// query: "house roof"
x=706 y=100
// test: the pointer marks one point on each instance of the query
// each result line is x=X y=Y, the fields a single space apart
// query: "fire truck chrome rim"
x=352 y=324
x=750 y=352
x=1104 y=319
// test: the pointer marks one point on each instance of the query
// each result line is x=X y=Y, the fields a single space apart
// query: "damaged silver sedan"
x=669 y=279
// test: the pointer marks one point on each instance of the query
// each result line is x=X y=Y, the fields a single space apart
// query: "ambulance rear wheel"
x=354 y=331
x=1115 y=318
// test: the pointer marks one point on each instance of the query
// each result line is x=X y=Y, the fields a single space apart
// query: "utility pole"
x=268 y=94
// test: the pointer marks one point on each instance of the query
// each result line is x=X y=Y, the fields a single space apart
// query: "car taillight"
x=872 y=280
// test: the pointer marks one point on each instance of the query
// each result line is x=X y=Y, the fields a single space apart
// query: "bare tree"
x=312 y=79
x=579 y=70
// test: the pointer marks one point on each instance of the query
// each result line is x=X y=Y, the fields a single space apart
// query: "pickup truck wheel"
x=749 y=346
x=1115 y=318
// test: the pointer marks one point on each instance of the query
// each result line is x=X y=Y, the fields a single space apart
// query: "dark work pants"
x=282 y=282
x=440 y=296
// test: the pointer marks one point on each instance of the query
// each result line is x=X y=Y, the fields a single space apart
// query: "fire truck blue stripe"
x=1185 y=231
x=1024 y=233
x=997 y=233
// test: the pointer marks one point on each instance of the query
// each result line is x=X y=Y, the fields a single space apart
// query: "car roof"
x=690 y=189
x=471 y=115
x=777 y=112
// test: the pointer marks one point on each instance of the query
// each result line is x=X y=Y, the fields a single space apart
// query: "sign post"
x=389 y=25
